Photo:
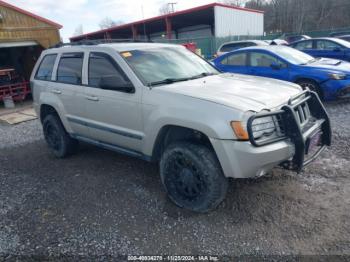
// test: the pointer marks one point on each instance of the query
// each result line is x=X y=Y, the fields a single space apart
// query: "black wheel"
x=57 y=138
x=192 y=177
x=311 y=85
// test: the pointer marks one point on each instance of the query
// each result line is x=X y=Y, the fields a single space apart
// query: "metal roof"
x=161 y=17
x=22 y=11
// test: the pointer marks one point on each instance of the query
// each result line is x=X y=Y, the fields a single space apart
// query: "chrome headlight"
x=337 y=76
x=264 y=126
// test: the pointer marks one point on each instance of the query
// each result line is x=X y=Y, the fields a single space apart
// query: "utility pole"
x=144 y=25
x=172 y=5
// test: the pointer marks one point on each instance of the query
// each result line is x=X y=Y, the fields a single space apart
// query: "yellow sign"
x=126 y=54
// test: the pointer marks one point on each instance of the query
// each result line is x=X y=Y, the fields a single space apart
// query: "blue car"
x=330 y=78
x=324 y=47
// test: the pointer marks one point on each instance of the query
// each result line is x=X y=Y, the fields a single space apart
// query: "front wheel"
x=192 y=177
x=311 y=85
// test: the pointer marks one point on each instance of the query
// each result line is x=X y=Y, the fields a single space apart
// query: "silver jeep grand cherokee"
x=163 y=103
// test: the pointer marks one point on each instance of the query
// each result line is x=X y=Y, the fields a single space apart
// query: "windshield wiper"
x=204 y=74
x=168 y=81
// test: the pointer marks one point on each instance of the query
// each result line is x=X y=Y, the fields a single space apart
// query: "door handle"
x=56 y=91
x=92 y=98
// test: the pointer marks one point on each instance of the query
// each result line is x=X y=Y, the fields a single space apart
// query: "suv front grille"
x=303 y=113
x=299 y=121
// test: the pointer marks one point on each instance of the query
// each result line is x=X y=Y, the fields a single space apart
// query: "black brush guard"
x=293 y=128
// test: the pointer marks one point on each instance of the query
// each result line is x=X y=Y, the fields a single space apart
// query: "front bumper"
x=300 y=121
x=334 y=89
x=243 y=160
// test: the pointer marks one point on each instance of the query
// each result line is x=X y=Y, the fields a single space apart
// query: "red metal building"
x=212 y=20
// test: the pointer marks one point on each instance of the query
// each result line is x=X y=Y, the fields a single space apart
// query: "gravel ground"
x=99 y=204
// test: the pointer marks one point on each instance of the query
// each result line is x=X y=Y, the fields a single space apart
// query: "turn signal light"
x=239 y=130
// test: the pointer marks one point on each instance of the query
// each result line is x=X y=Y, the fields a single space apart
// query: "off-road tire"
x=57 y=138
x=196 y=167
x=312 y=86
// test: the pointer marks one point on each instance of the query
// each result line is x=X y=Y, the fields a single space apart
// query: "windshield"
x=294 y=56
x=342 y=42
x=167 y=64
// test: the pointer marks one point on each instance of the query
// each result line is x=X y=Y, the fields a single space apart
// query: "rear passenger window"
x=235 y=60
x=46 y=67
x=70 y=68
x=101 y=66
x=303 y=45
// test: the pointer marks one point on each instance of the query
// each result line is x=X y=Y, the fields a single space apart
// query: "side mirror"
x=275 y=66
x=116 y=83
x=337 y=49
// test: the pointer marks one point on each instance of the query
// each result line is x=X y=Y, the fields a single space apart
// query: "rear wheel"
x=311 y=85
x=57 y=138
x=192 y=177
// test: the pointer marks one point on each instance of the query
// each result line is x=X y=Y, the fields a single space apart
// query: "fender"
x=47 y=98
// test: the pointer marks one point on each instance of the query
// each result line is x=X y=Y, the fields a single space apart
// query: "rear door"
x=70 y=91
x=43 y=76
x=113 y=116
x=234 y=63
x=267 y=65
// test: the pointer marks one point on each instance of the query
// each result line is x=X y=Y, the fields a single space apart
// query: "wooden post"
x=134 y=32
x=168 y=27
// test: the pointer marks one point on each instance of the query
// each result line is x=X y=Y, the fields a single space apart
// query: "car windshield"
x=294 y=56
x=165 y=65
x=342 y=42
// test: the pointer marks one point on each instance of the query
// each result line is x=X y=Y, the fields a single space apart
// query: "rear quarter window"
x=46 y=67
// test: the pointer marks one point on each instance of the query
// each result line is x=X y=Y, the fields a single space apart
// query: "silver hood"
x=238 y=91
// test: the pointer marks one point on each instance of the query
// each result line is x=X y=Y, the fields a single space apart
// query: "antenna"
x=144 y=25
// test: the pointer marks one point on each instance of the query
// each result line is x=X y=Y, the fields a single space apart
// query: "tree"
x=164 y=9
x=284 y=16
x=239 y=3
x=108 y=23
x=78 y=30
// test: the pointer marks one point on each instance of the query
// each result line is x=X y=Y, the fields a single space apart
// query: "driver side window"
x=264 y=60
x=102 y=66
x=326 y=45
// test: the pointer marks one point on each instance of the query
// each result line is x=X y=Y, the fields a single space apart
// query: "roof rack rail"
x=99 y=41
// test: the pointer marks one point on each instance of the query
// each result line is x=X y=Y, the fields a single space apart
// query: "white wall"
x=230 y=22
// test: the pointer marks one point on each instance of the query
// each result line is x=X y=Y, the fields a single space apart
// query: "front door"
x=330 y=49
x=266 y=65
x=113 y=116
